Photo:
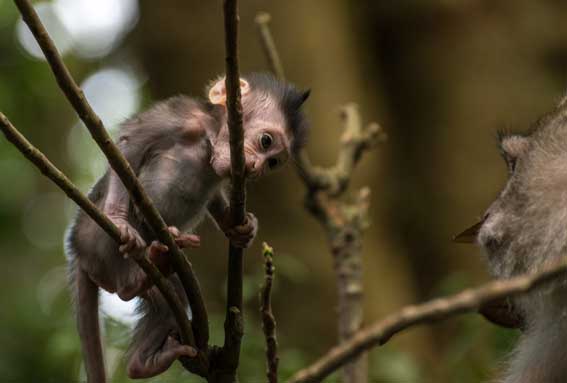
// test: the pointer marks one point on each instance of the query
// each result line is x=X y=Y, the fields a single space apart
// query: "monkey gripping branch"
x=219 y=364
x=107 y=237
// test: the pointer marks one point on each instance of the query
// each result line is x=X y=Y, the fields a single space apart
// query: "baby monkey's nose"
x=253 y=167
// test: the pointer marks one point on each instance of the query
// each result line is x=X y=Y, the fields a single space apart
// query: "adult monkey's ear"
x=217 y=92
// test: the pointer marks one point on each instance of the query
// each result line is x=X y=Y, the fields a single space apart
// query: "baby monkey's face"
x=274 y=125
x=267 y=141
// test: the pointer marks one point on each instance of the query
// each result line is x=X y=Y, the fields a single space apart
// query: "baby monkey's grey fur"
x=526 y=228
x=180 y=152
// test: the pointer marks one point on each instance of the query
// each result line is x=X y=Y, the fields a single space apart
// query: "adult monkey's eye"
x=272 y=163
x=512 y=164
x=266 y=140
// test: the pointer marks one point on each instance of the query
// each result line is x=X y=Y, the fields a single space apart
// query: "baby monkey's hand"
x=159 y=253
x=240 y=235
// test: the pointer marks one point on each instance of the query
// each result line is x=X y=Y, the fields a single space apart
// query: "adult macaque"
x=524 y=229
x=180 y=152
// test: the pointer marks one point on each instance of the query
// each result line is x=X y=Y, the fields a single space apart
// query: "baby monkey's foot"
x=146 y=365
x=184 y=240
x=131 y=242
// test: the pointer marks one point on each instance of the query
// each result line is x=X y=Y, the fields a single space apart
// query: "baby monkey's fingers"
x=243 y=235
x=157 y=252
x=188 y=240
x=184 y=240
x=174 y=231
x=131 y=240
x=250 y=225
x=156 y=249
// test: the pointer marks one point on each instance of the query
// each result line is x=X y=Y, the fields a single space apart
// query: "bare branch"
x=435 y=310
x=262 y=21
x=303 y=166
x=343 y=222
x=356 y=138
x=234 y=321
x=76 y=97
x=268 y=319
x=54 y=174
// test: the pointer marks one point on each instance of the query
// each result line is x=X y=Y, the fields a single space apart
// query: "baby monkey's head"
x=274 y=124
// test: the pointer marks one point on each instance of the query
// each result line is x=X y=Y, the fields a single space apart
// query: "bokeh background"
x=441 y=76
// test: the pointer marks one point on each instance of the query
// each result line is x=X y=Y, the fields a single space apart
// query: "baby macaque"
x=180 y=152
x=524 y=229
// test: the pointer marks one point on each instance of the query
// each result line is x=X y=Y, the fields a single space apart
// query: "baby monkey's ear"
x=217 y=92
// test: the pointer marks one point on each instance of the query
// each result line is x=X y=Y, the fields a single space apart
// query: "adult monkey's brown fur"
x=179 y=150
x=524 y=229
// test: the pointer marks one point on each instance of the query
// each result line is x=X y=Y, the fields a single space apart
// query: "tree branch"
x=268 y=319
x=262 y=21
x=234 y=324
x=54 y=174
x=117 y=161
x=343 y=222
x=355 y=140
x=435 y=310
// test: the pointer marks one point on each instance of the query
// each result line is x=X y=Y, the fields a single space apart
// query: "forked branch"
x=343 y=222
x=355 y=140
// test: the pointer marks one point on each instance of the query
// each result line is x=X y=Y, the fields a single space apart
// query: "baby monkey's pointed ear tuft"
x=244 y=87
x=217 y=92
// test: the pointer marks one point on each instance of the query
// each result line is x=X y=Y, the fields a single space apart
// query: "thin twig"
x=268 y=319
x=234 y=325
x=302 y=163
x=435 y=310
x=343 y=222
x=117 y=161
x=262 y=21
x=355 y=140
x=36 y=157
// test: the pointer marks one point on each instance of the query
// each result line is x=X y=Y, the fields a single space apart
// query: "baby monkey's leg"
x=148 y=361
x=156 y=343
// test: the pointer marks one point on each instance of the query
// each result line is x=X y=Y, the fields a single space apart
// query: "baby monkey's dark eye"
x=272 y=163
x=266 y=140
